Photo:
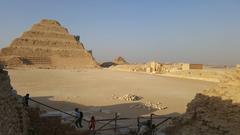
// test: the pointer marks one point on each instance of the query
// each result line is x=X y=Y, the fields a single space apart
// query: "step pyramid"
x=47 y=44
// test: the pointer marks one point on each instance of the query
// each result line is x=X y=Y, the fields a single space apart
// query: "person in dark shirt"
x=25 y=100
x=79 y=116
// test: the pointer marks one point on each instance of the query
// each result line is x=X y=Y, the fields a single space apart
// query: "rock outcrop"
x=215 y=111
x=47 y=44
x=13 y=116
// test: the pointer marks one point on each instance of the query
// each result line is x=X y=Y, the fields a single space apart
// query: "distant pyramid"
x=47 y=44
x=120 y=61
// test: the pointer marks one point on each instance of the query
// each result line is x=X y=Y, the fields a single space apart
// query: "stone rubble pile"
x=149 y=106
x=153 y=106
x=128 y=97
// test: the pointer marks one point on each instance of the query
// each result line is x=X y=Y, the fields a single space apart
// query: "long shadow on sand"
x=125 y=110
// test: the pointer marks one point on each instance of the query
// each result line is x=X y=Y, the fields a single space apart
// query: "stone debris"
x=153 y=106
x=149 y=106
x=128 y=97
x=153 y=67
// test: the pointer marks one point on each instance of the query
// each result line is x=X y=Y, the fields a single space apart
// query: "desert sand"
x=93 y=89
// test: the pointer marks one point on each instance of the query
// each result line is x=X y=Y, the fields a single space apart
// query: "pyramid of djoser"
x=47 y=45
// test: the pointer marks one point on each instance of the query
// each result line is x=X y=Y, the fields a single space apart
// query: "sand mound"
x=47 y=44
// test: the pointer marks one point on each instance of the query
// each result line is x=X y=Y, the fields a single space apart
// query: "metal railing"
x=115 y=119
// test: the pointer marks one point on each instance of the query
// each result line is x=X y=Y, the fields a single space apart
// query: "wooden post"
x=115 y=129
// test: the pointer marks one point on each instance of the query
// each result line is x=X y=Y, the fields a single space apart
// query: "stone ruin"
x=49 y=45
x=128 y=97
x=215 y=111
x=13 y=117
x=153 y=67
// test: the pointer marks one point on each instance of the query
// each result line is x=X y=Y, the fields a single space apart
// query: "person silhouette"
x=92 y=123
x=79 y=117
x=25 y=100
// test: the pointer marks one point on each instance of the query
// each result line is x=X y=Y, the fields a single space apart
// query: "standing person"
x=13 y=92
x=79 y=116
x=92 y=123
x=25 y=100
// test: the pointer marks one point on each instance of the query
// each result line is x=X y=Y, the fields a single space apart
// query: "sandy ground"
x=93 y=89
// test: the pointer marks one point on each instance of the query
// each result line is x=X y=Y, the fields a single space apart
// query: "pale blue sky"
x=196 y=31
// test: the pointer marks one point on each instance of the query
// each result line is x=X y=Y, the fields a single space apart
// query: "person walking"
x=92 y=124
x=79 y=117
x=25 y=100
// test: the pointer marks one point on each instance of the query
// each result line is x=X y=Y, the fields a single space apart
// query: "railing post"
x=151 y=123
x=115 y=124
x=138 y=123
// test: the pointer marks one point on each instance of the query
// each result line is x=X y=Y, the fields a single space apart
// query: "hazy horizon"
x=139 y=30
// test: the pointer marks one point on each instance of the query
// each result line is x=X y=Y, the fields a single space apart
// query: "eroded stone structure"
x=153 y=67
x=13 y=116
x=47 y=44
x=214 y=111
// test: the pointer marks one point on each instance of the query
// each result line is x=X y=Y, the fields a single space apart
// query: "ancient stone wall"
x=196 y=66
x=13 y=117
x=153 y=67
x=215 y=111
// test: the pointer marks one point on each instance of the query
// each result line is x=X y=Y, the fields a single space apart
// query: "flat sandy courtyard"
x=94 y=89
